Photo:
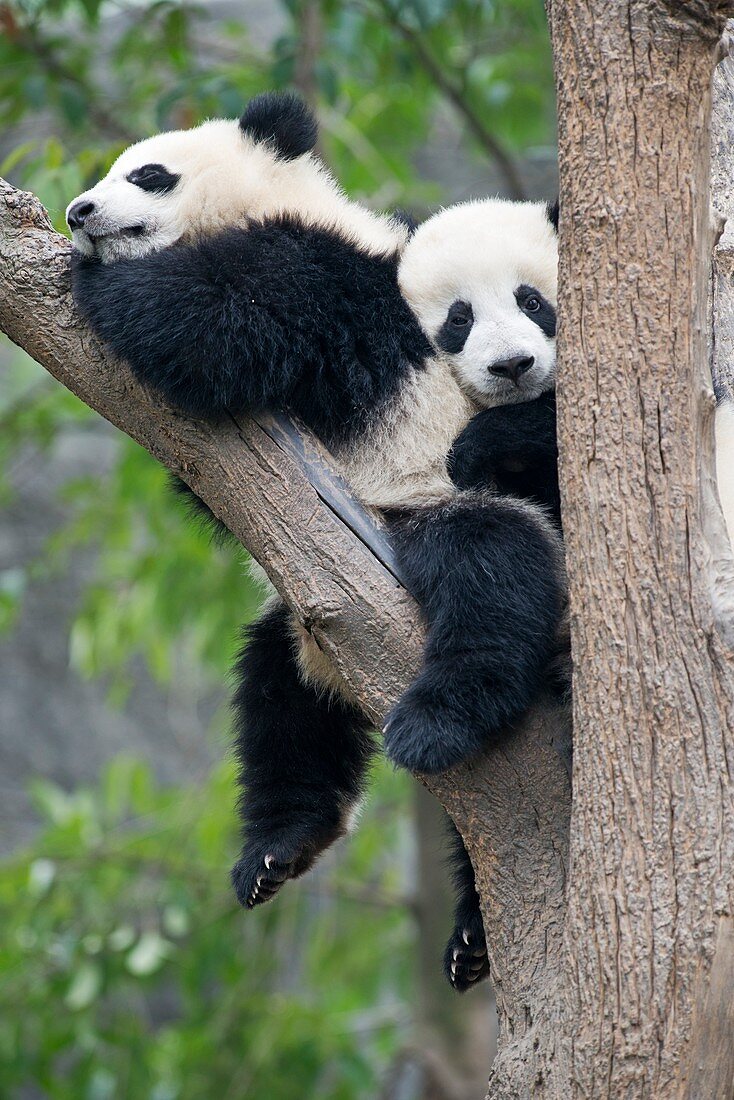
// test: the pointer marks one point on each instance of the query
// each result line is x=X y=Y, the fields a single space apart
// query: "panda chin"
x=127 y=243
x=507 y=393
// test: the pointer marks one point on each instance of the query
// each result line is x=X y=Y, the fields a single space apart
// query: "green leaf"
x=149 y=954
x=85 y=987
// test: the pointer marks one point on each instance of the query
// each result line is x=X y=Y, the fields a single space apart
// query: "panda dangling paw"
x=257 y=879
x=259 y=873
x=265 y=864
x=465 y=960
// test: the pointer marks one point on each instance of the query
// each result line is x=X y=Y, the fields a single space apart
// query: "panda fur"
x=228 y=269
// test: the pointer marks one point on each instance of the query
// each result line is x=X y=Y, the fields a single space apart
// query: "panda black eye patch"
x=537 y=308
x=453 y=333
x=153 y=177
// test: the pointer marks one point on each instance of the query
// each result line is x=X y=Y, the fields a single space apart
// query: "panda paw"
x=427 y=731
x=258 y=874
x=465 y=960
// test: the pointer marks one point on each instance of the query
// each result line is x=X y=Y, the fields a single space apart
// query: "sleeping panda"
x=228 y=269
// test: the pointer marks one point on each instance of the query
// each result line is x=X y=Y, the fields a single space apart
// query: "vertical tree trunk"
x=722 y=198
x=649 y=966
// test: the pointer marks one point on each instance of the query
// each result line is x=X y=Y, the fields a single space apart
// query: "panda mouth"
x=118 y=234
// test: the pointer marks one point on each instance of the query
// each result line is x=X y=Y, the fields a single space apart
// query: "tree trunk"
x=648 y=987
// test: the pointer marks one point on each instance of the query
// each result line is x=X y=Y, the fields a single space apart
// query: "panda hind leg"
x=487 y=571
x=303 y=758
x=465 y=960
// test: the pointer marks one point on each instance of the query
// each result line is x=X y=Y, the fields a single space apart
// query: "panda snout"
x=512 y=368
x=78 y=213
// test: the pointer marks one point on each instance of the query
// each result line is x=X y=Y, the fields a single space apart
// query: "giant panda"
x=481 y=279
x=227 y=268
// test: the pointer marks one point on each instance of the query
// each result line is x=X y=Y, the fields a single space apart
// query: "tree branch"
x=513 y=805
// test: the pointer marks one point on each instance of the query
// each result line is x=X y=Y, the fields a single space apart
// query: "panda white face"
x=137 y=207
x=189 y=183
x=481 y=278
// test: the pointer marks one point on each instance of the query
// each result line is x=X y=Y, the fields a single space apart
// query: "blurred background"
x=126 y=969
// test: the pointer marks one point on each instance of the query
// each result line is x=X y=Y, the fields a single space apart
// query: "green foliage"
x=128 y=970
x=159 y=583
x=106 y=75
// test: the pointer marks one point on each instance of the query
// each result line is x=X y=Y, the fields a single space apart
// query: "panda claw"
x=287 y=853
x=257 y=880
x=465 y=960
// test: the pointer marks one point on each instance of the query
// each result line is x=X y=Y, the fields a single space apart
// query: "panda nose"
x=512 y=368
x=78 y=214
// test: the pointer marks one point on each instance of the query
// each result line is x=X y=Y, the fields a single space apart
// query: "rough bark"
x=646 y=1008
x=512 y=806
x=722 y=196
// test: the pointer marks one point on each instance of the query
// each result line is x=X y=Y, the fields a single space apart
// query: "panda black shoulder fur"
x=228 y=269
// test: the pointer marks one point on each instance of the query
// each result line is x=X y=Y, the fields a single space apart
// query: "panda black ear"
x=284 y=120
x=552 y=210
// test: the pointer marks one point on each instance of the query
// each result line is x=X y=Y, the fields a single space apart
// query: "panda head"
x=191 y=183
x=481 y=277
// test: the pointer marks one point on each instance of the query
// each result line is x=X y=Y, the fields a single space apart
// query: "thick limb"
x=465 y=959
x=511 y=448
x=279 y=316
x=303 y=757
x=488 y=574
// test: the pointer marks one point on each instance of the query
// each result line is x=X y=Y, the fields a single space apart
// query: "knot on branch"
x=22 y=210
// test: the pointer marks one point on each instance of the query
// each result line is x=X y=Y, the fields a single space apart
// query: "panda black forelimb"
x=303 y=757
x=487 y=572
x=512 y=448
x=278 y=317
